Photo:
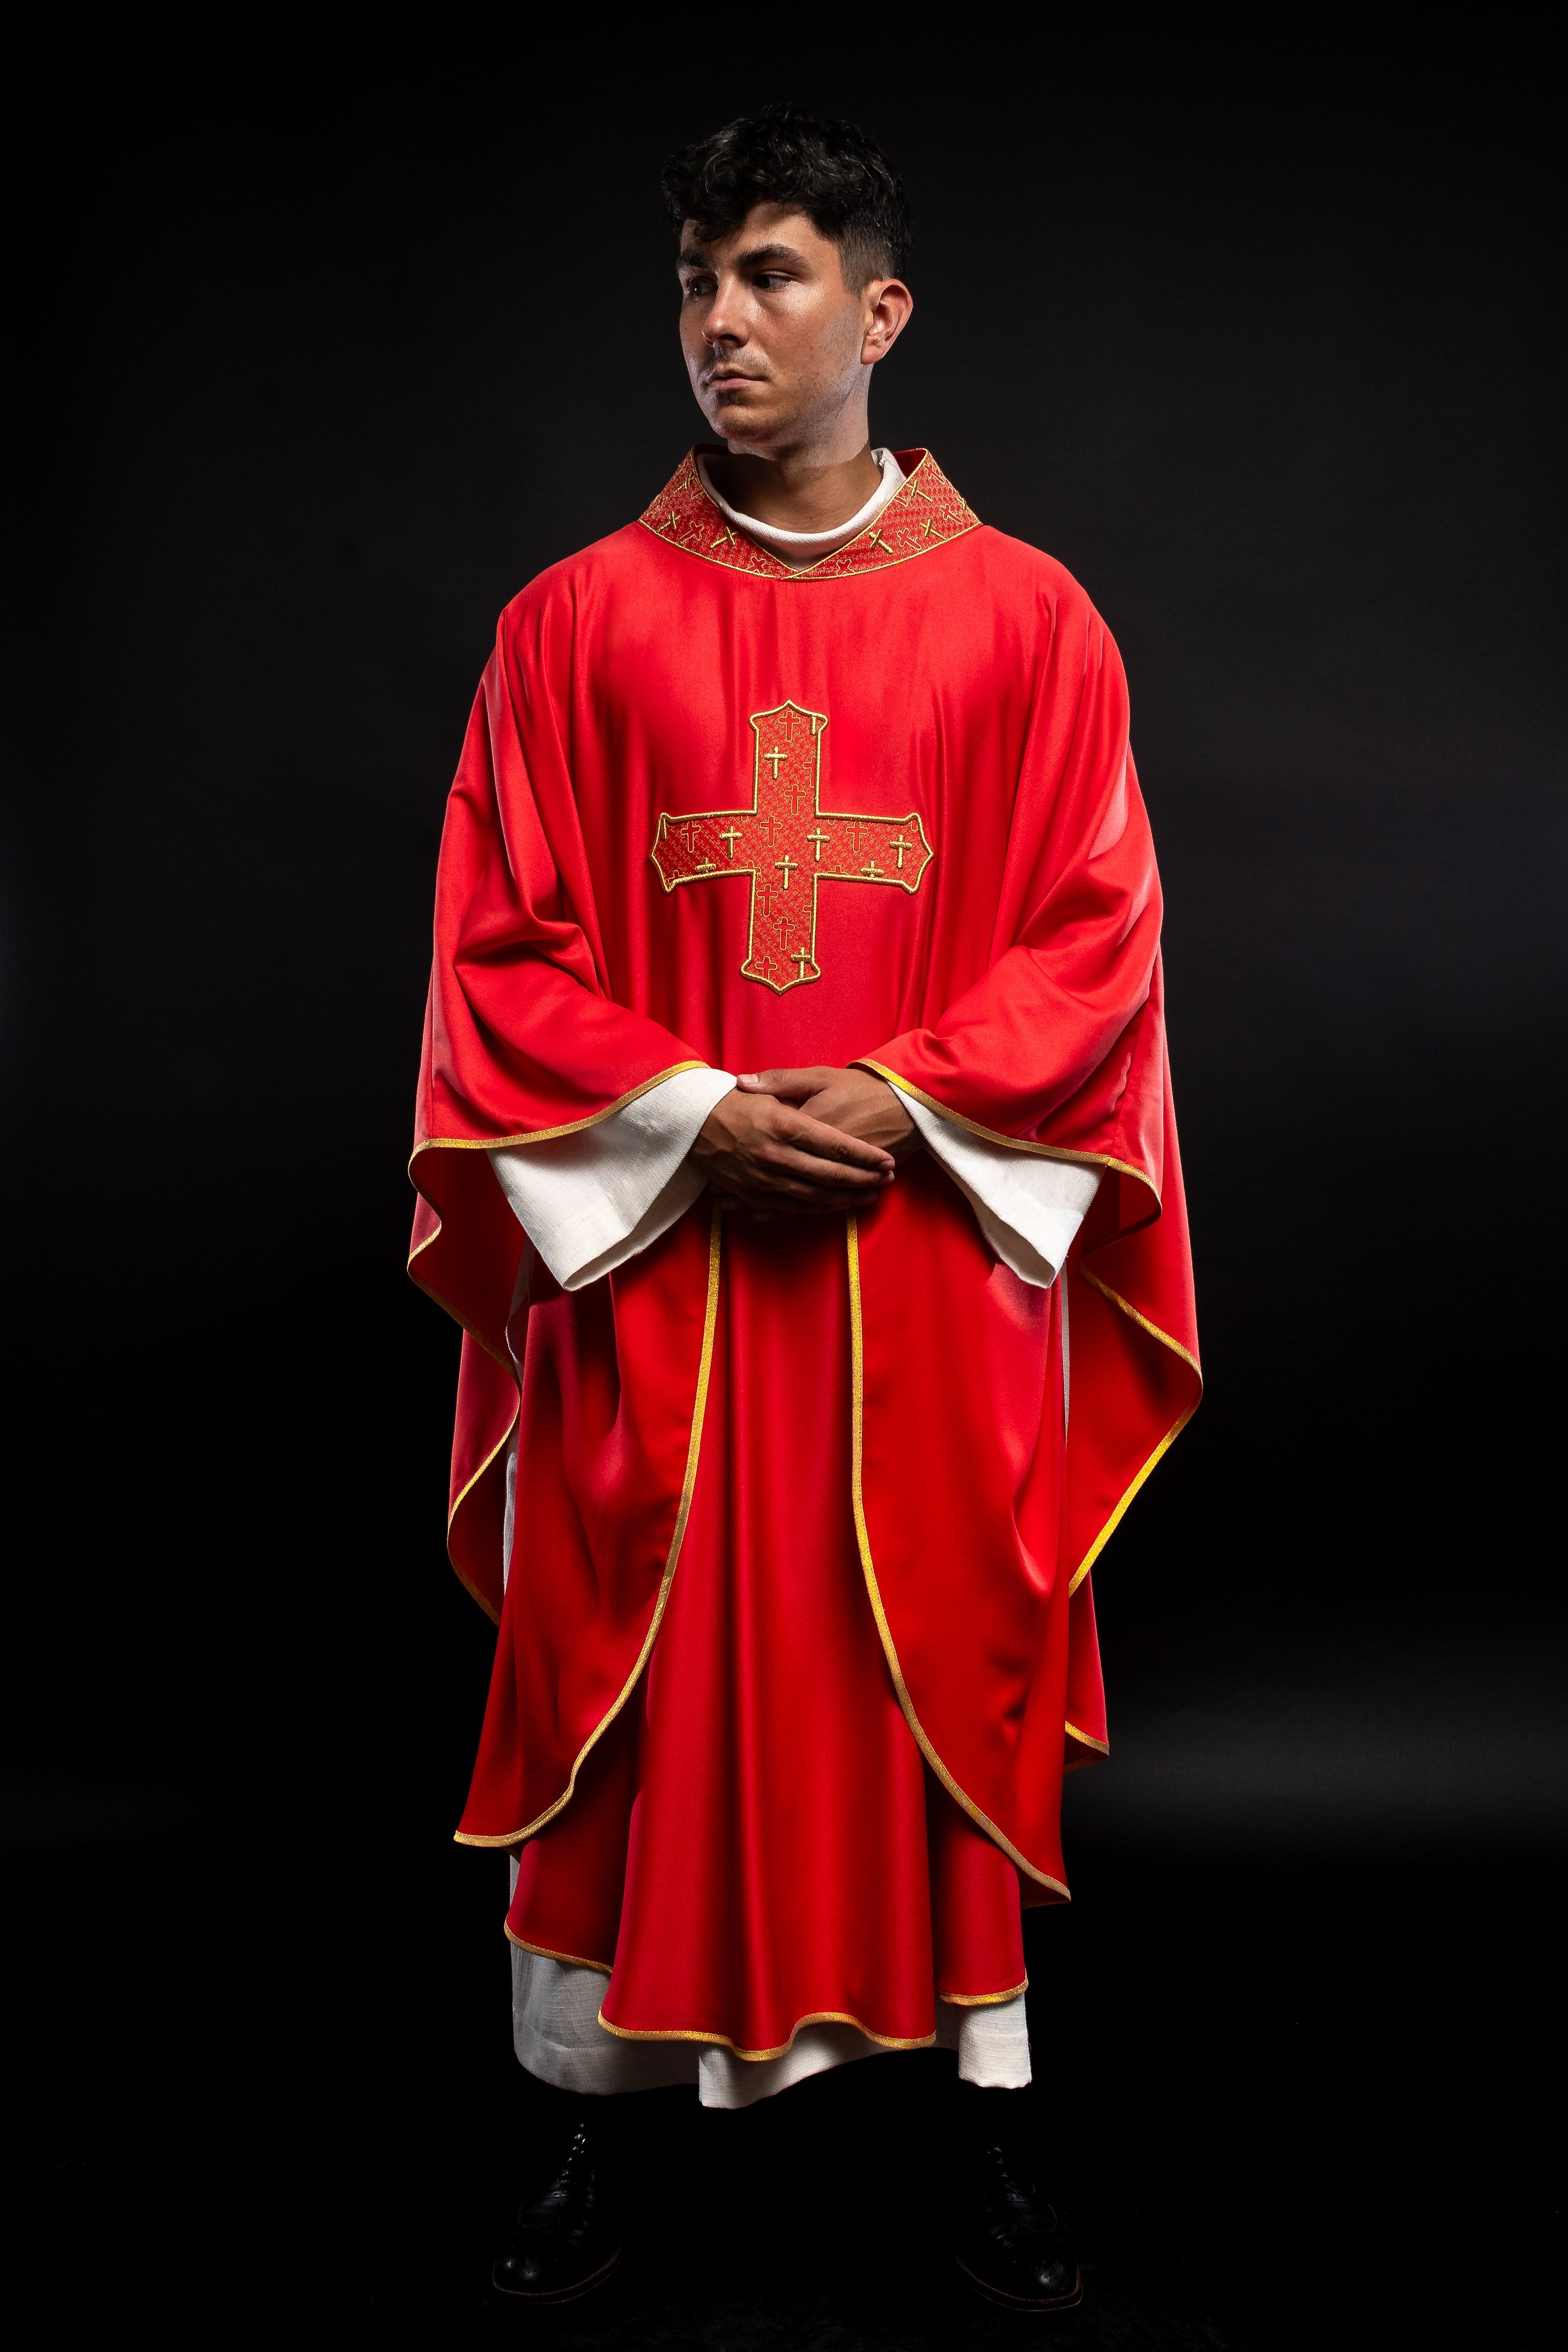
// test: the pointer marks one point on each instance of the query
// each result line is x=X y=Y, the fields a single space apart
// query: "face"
x=777 y=347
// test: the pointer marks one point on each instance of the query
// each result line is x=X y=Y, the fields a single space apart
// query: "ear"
x=885 y=310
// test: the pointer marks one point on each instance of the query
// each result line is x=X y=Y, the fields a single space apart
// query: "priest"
x=795 y=1149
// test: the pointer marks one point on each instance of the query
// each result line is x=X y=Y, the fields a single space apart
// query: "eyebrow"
x=690 y=259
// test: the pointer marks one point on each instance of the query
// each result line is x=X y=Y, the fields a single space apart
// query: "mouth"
x=728 y=380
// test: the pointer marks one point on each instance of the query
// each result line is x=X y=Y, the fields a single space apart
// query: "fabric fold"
x=557 y=2035
x=1029 y=1208
x=589 y=1201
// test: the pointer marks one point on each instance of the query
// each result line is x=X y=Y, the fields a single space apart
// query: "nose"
x=719 y=326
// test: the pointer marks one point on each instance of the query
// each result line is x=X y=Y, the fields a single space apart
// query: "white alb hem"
x=558 y=2037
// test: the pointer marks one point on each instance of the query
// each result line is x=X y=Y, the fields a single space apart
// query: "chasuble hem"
x=761 y=2057
x=556 y=2037
x=563 y=1960
x=682 y=1513
x=1154 y=1459
x=1113 y=1297
x=816 y=2017
x=463 y=1578
x=863 y=1537
x=462 y=1320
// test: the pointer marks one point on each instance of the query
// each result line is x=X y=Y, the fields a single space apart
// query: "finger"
x=828 y=1142
x=787 y=1082
x=789 y=1177
x=806 y=1161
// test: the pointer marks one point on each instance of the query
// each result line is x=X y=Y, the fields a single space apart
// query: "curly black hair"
x=829 y=170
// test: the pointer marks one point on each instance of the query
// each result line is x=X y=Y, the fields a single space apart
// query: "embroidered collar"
x=925 y=513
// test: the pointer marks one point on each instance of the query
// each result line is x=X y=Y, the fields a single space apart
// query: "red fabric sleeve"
x=525 y=1038
x=1052 y=1046
x=522 y=1037
x=1060 y=1049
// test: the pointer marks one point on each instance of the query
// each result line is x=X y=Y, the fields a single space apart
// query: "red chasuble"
x=797 y=1637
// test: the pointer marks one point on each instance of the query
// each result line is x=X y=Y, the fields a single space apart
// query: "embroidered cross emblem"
x=769 y=843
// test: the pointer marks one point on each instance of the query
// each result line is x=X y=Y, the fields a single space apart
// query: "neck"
x=808 y=489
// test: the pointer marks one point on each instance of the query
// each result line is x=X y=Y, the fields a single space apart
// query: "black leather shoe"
x=1009 y=2243
x=568 y=2242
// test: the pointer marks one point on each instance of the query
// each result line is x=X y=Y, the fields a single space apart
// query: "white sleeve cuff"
x=591 y=1201
x=1029 y=1208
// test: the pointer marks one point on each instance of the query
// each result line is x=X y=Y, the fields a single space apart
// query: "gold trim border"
x=816 y=2017
x=1012 y=1142
x=857 y=1369
x=458 y=1500
x=445 y=1304
x=982 y=1999
x=566 y=1959
x=682 y=1513
x=813 y=572
x=539 y=1134
x=503 y=1143
x=1100 y=1747
x=821 y=2017
x=1122 y=1168
x=1153 y=1329
x=1163 y=1448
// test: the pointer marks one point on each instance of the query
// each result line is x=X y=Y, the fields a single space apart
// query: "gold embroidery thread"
x=924 y=514
x=788 y=837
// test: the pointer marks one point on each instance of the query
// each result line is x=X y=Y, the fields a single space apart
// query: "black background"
x=322 y=356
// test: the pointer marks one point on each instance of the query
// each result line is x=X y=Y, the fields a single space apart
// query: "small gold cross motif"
x=771 y=837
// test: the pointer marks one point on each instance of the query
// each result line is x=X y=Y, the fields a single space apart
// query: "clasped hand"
x=809 y=1142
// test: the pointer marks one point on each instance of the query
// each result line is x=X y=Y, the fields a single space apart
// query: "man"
x=795 y=1147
